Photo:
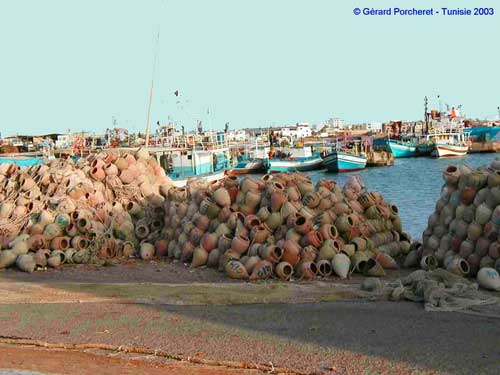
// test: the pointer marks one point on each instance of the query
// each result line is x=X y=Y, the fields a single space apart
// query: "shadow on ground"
x=346 y=337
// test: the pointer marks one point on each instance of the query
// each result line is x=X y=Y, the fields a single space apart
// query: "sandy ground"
x=325 y=326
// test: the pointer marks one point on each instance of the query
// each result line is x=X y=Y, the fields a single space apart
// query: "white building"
x=236 y=135
x=375 y=127
x=303 y=130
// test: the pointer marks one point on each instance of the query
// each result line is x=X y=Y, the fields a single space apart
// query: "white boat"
x=208 y=178
x=450 y=144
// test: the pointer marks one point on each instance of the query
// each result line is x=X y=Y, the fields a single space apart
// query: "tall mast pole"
x=148 y=125
x=426 y=116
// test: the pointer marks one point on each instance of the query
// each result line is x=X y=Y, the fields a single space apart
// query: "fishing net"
x=441 y=290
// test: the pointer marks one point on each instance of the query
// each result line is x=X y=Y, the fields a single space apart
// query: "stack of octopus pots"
x=119 y=205
x=463 y=234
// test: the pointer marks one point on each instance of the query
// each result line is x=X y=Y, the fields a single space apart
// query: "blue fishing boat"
x=22 y=161
x=402 y=149
x=342 y=161
x=296 y=160
x=482 y=133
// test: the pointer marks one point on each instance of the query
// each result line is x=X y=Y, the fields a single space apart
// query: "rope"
x=269 y=368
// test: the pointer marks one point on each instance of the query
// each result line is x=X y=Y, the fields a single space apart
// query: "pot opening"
x=82 y=223
x=350 y=221
x=301 y=220
x=464 y=266
x=94 y=171
x=314 y=268
x=130 y=206
x=451 y=169
x=142 y=230
x=333 y=231
x=82 y=243
x=278 y=251
x=325 y=268
x=394 y=209
x=287 y=270
x=64 y=244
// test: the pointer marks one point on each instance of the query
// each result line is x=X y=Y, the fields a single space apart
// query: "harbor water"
x=413 y=184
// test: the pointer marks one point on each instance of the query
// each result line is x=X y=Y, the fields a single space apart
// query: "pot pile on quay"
x=105 y=206
x=463 y=232
x=284 y=226
x=112 y=206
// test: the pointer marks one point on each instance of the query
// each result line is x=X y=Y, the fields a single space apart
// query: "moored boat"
x=247 y=166
x=341 y=161
x=401 y=149
x=300 y=164
x=449 y=150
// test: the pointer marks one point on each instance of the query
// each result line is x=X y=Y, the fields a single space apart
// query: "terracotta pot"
x=56 y=259
x=458 y=266
x=52 y=230
x=306 y=271
x=344 y=223
x=26 y=263
x=251 y=221
x=41 y=257
x=303 y=225
x=262 y=270
x=79 y=243
x=451 y=175
x=250 y=263
x=236 y=270
x=213 y=258
x=222 y=197
x=7 y=258
x=209 y=241
x=240 y=244
x=483 y=214
x=278 y=198
x=313 y=238
x=248 y=184
x=274 y=220
x=324 y=268
x=146 y=251
x=200 y=257
x=97 y=174
x=329 y=249
x=287 y=210
x=271 y=253
x=328 y=231
x=468 y=195
x=428 y=263
x=293 y=193
x=291 y=252
x=260 y=233
x=187 y=252
x=308 y=254
x=111 y=170
x=284 y=271
x=311 y=199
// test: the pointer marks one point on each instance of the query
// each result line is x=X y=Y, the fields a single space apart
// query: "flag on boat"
x=176 y=93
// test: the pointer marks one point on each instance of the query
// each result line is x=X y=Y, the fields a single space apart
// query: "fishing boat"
x=449 y=144
x=296 y=160
x=402 y=149
x=247 y=166
x=345 y=159
x=22 y=161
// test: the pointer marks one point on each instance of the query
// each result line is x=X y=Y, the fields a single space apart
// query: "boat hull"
x=208 y=178
x=444 y=150
x=254 y=166
x=339 y=162
x=298 y=165
x=402 y=151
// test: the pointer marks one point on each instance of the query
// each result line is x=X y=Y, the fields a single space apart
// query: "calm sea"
x=412 y=184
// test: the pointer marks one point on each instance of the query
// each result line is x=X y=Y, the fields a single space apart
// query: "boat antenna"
x=148 y=125
x=426 y=115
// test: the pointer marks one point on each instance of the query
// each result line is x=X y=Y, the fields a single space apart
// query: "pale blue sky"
x=68 y=64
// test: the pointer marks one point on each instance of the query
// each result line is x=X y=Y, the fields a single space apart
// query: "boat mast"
x=426 y=116
x=148 y=125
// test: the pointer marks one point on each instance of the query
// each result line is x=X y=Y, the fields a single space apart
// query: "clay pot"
x=329 y=249
x=36 y=242
x=147 y=251
x=358 y=259
x=287 y=210
x=313 y=238
x=291 y=252
x=200 y=257
x=371 y=267
x=284 y=271
x=468 y=195
x=240 y=244
x=483 y=214
x=262 y=270
x=213 y=258
x=260 y=233
x=161 y=248
x=324 y=268
x=20 y=247
x=451 y=175
x=271 y=253
x=56 y=259
x=306 y=271
x=466 y=249
x=111 y=170
x=26 y=263
x=303 y=224
x=311 y=200
x=41 y=257
x=236 y=270
x=141 y=230
x=428 y=263
x=328 y=231
x=7 y=258
x=97 y=174
x=386 y=261
x=344 y=223
x=209 y=241
x=458 y=266
x=278 y=198
x=309 y=254
x=59 y=243
x=489 y=278
x=222 y=197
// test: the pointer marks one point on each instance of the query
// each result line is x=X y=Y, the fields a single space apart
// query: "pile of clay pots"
x=462 y=234
x=108 y=205
x=284 y=226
